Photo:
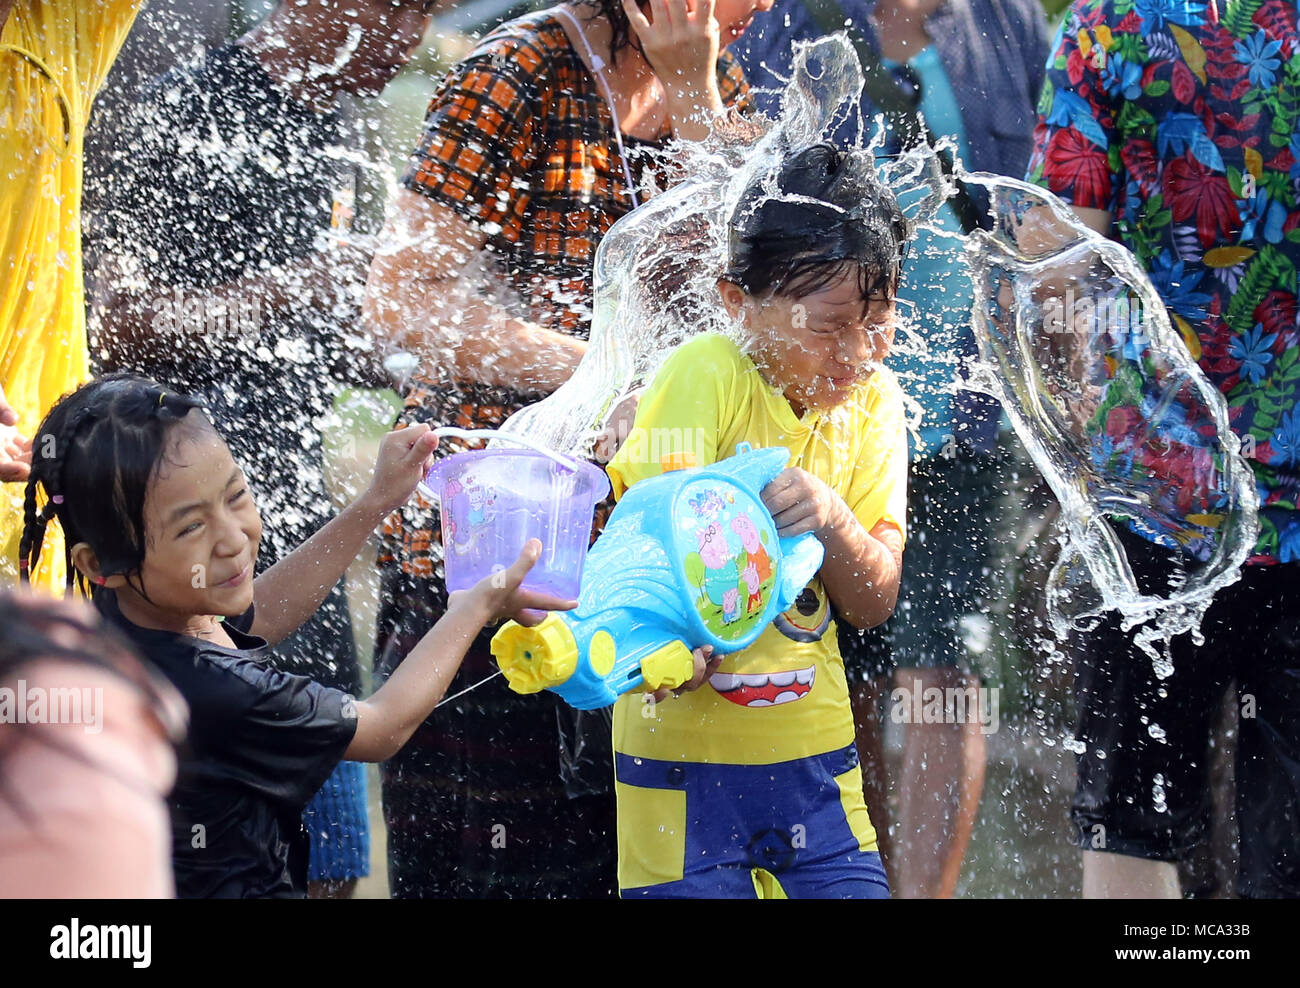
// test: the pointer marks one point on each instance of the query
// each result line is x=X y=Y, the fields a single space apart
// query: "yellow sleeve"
x=683 y=410
x=76 y=40
x=878 y=491
x=102 y=27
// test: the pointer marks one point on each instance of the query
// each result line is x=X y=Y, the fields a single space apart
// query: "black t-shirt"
x=219 y=174
x=261 y=743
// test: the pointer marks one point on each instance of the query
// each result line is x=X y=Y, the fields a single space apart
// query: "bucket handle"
x=451 y=430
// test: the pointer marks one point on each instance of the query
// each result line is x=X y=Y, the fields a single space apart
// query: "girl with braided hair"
x=161 y=527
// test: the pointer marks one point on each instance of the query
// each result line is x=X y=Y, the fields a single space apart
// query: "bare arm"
x=682 y=47
x=289 y=592
x=861 y=569
x=386 y=721
x=134 y=316
x=132 y=311
x=424 y=295
x=1062 y=348
x=1098 y=219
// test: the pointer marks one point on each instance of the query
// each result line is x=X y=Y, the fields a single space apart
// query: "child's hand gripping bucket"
x=493 y=501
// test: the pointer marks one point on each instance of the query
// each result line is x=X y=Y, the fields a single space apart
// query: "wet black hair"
x=795 y=227
x=93 y=459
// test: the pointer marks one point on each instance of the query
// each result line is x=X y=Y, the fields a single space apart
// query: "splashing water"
x=1077 y=345
x=355 y=33
x=656 y=270
x=1073 y=340
x=1158 y=798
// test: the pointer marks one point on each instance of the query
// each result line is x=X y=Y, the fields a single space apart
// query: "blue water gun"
x=687 y=559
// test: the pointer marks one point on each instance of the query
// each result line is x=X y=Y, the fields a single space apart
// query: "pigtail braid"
x=48 y=472
x=29 y=545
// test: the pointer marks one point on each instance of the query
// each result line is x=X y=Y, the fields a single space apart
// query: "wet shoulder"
x=714 y=346
x=881 y=387
x=243 y=670
x=714 y=353
x=220 y=684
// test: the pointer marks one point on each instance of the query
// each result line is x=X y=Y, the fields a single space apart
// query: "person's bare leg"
x=940 y=783
x=875 y=778
x=968 y=804
x=1119 y=876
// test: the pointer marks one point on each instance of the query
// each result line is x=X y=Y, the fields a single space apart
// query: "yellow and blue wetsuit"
x=750 y=785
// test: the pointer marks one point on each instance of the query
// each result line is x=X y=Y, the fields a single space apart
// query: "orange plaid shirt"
x=519 y=141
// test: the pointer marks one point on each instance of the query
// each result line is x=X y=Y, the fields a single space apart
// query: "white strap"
x=598 y=70
x=467 y=689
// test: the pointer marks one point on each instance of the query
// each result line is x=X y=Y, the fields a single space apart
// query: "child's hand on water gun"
x=501 y=597
x=800 y=502
x=706 y=664
x=405 y=455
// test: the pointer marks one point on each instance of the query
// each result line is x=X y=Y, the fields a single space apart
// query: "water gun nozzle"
x=535 y=658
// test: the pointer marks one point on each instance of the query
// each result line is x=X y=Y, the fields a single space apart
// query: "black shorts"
x=1143 y=779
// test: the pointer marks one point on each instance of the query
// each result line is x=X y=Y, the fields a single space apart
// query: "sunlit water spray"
x=1073 y=340
x=656 y=270
x=355 y=33
x=1101 y=388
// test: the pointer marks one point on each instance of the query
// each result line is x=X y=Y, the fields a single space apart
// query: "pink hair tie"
x=57 y=499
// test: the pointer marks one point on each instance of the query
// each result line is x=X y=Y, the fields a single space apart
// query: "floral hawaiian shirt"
x=1182 y=119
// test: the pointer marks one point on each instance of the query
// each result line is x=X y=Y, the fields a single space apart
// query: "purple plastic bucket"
x=493 y=501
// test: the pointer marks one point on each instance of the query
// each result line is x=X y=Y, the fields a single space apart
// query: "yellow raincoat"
x=54 y=57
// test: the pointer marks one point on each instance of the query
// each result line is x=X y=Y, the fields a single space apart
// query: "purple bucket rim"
x=595 y=473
